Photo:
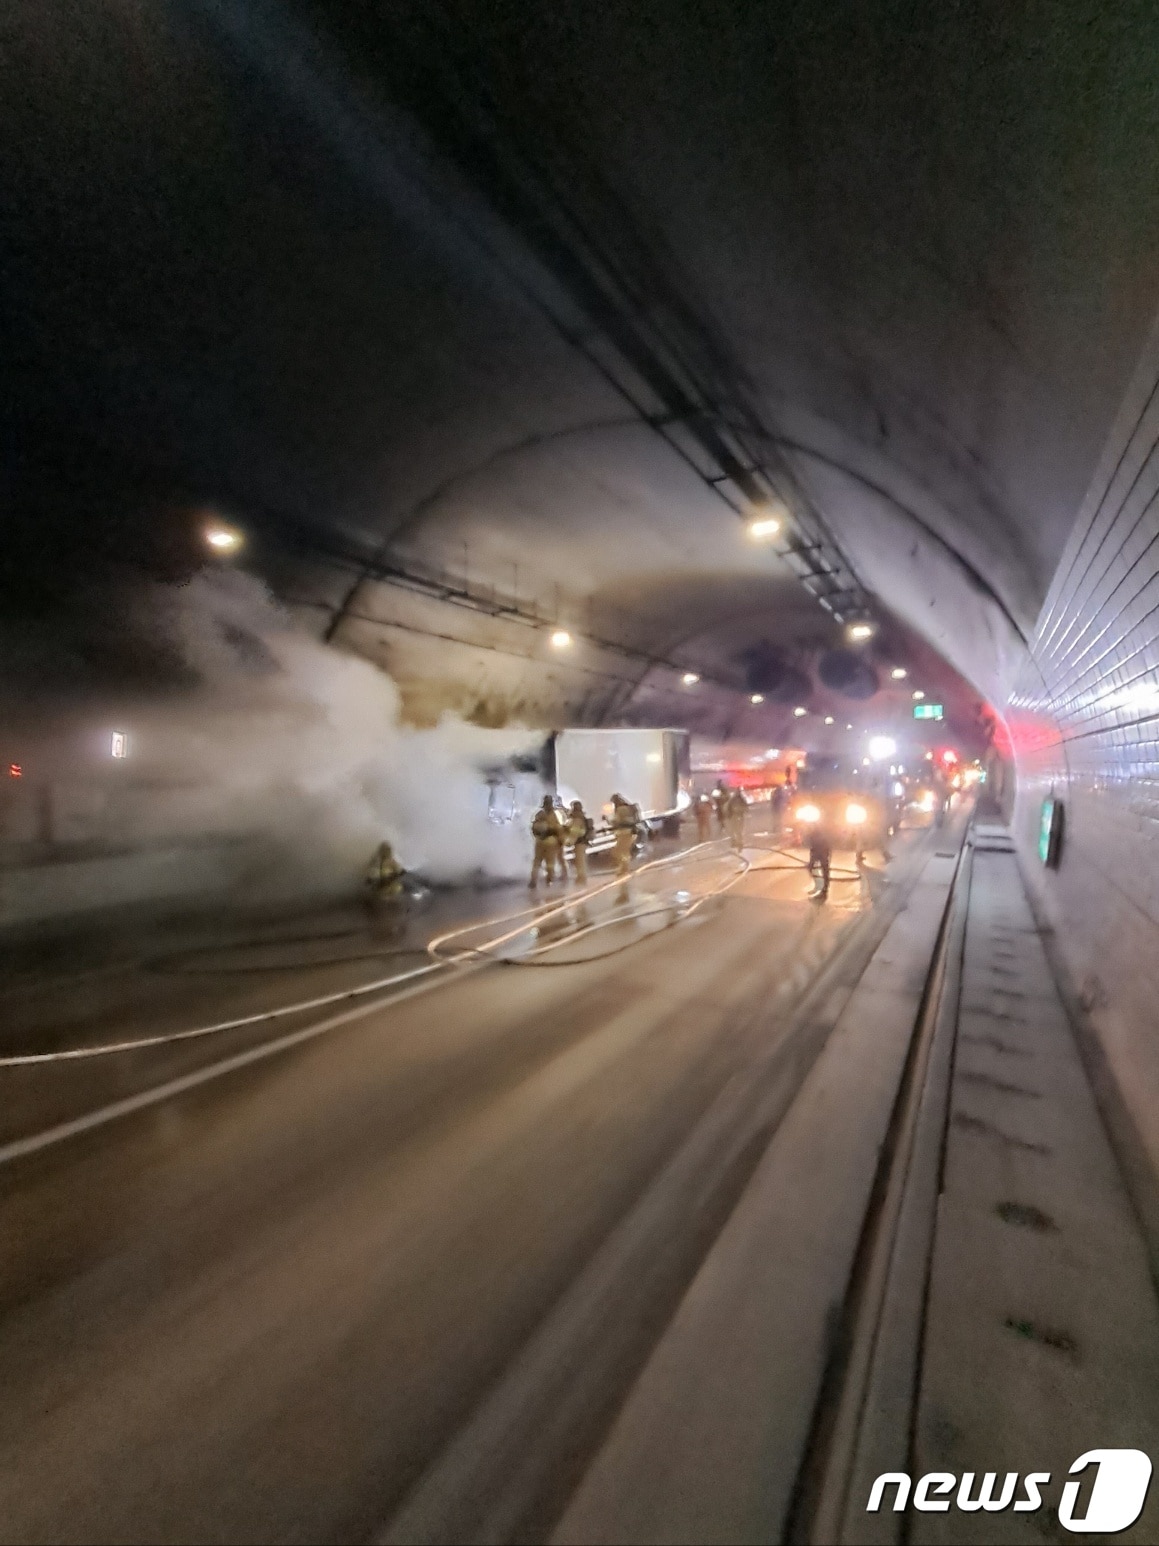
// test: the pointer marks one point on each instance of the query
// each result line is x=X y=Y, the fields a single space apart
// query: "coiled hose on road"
x=535 y=917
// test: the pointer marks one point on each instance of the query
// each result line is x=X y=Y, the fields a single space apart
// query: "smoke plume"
x=289 y=753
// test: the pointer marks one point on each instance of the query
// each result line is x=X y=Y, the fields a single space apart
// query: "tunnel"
x=409 y=412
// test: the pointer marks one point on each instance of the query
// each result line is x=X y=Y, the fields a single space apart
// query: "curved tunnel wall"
x=1084 y=722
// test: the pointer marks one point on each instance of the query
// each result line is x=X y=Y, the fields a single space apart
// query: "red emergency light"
x=15 y=770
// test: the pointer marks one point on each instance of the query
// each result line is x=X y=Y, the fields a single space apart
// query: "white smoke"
x=300 y=749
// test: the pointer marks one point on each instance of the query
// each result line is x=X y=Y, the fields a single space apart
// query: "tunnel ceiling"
x=484 y=318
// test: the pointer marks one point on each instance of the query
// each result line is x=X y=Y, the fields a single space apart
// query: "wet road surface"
x=259 y=1308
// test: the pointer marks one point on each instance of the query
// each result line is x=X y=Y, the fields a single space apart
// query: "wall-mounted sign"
x=928 y=711
x=1050 y=832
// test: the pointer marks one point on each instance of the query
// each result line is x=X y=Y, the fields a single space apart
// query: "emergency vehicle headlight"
x=807 y=813
x=856 y=815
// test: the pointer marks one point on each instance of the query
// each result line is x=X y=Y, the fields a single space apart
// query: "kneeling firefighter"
x=385 y=876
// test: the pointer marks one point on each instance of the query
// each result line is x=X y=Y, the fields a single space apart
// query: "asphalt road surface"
x=259 y=1307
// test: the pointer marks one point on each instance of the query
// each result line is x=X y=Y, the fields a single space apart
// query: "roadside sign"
x=1050 y=832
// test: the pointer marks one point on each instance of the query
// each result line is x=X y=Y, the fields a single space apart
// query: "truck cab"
x=846 y=800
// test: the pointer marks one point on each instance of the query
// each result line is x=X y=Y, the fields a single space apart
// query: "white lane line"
x=18 y=1148
x=103 y=1049
x=534 y=914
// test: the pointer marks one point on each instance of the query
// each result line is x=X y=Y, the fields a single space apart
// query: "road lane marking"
x=104 y=1049
x=19 y=1148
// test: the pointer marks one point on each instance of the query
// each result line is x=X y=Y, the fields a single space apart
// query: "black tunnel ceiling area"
x=486 y=320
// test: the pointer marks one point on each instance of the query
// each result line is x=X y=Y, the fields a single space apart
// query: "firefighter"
x=703 y=812
x=385 y=887
x=777 y=804
x=547 y=831
x=735 y=809
x=624 y=831
x=820 y=858
x=578 y=834
x=385 y=874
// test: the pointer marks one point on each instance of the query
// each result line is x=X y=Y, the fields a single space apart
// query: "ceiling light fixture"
x=763 y=528
x=223 y=539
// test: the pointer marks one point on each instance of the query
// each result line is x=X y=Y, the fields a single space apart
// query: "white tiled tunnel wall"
x=1084 y=720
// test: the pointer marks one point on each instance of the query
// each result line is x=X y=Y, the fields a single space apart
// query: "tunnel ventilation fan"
x=848 y=674
x=766 y=671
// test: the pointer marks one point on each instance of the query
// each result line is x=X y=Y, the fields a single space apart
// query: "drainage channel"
x=866 y=1406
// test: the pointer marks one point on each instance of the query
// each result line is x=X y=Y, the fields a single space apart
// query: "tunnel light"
x=690 y=679
x=118 y=744
x=828 y=719
x=757 y=697
x=918 y=695
x=859 y=632
x=223 y=539
x=899 y=673
x=882 y=747
x=561 y=639
x=799 y=712
x=849 y=727
x=764 y=528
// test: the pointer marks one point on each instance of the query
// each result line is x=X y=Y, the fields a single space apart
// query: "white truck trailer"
x=650 y=768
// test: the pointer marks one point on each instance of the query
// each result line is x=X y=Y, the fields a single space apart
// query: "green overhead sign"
x=927 y=711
